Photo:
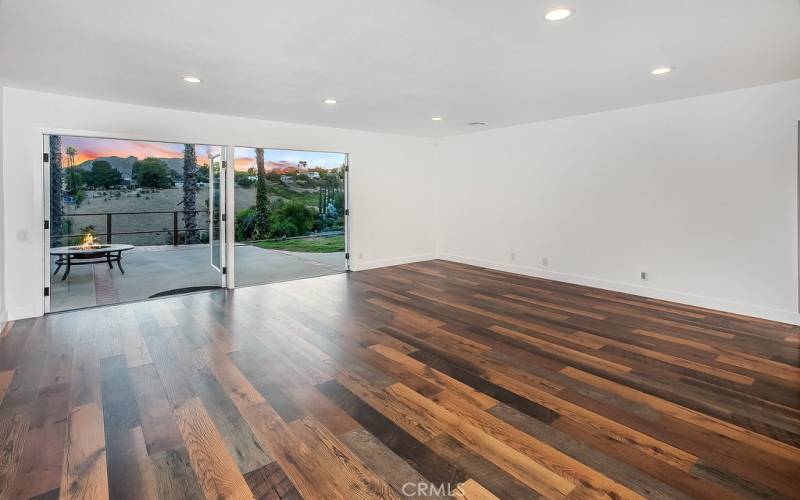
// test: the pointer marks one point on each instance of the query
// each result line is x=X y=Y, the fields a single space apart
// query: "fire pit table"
x=97 y=254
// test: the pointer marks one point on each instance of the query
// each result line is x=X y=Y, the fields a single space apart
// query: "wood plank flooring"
x=423 y=380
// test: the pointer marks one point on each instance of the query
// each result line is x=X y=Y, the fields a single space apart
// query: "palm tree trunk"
x=261 y=183
x=190 y=194
x=56 y=187
x=262 y=197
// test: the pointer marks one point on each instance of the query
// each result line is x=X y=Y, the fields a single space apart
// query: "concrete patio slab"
x=152 y=270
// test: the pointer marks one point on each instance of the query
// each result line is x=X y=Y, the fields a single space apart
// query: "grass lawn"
x=325 y=244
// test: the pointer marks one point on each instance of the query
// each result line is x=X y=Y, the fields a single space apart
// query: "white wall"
x=386 y=228
x=701 y=193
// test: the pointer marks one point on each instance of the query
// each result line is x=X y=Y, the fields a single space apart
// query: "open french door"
x=217 y=174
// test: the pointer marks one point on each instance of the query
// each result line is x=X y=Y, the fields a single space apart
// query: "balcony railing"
x=110 y=233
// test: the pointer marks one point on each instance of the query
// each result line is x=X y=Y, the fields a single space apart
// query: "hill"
x=125 y=165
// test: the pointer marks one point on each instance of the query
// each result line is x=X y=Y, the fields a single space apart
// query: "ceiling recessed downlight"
x=437 y=118
x=329 y=101
x=661 y=71
x=558 y=14
x=191 y=79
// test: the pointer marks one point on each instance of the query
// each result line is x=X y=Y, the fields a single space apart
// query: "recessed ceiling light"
x=661 y=71
x=437 y=118
x=558 y=14
x=329 y=101
x=191 y=79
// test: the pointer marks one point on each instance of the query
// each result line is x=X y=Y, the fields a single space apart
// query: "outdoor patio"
x=154 y=270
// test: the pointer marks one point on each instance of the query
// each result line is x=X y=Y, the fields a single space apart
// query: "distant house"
x=313 y=175
x=252 y=178
x=287 y=179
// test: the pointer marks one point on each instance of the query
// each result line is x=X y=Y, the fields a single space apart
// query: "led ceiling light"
x=191 y=79
x=437 y=118
x=558 y=14
x=661 y=71
x=329 y=101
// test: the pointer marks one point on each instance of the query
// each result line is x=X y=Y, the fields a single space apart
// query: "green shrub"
x=299 y=215
x=249 y=225
x=284 y=228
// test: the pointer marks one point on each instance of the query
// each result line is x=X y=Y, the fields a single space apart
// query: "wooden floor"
x=399 y=382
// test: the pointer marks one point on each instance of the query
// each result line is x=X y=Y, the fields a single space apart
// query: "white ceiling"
x=393 y=65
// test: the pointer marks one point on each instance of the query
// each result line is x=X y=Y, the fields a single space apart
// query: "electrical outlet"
x=513 y=256
x=545 y=261
x=644 y=275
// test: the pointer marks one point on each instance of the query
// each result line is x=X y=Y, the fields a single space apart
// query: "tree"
x=202 y=174
x=75 y=179
x=190 y=194
x=56 y=185
x=262 y=197
x=152 y=173
x=338 y=202
x=293 y=214
x=71 y=152
x=103 y=175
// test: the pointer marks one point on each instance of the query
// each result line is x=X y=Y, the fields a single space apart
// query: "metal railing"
x=109 y=225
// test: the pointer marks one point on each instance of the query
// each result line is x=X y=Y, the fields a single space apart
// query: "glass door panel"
x=216 y=205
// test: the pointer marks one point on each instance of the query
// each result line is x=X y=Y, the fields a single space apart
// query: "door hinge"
x=47 y=291
x=223 y=217
x=224 y=163
x=224 y=269
x=45 y=157
x=47 y=224
x=347 y=168
x=347 y=256
x=347 y=211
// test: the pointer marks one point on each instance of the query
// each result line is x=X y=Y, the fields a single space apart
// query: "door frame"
x=41 y=195
x=231 y=241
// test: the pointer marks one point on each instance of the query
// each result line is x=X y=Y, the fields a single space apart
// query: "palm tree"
x=56 y=187
x=190 y=194
x=71 y=152
x=262 y=198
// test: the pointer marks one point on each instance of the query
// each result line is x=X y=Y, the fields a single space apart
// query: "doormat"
x=179 y=291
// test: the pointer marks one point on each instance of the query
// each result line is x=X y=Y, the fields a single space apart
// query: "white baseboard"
x=654 y=293
x=25 y=312
x=395 y=261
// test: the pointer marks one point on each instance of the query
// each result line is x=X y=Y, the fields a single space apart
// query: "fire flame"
x=88 y=241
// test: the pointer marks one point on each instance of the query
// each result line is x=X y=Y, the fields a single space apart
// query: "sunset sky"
x=245 y=158
x=90 y=148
